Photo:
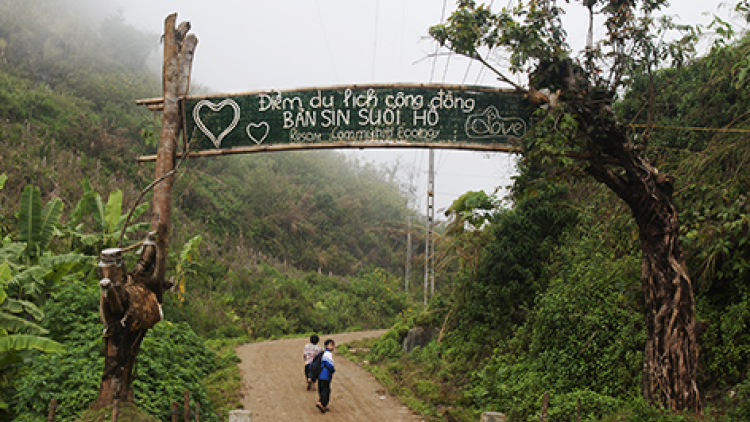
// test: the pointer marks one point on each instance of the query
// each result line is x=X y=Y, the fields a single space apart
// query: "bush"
x=172 y=359
x=386 y=349
x=584 y=338
x=739 y=403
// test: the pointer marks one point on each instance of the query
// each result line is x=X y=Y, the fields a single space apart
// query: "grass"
x=127 y=412
x=415 y=392
x=225 y=385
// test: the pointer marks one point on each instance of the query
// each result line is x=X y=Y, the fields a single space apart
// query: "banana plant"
x=4 y=227
x=19 y=335
x=36 y=225
x=23 y=265
x=30 y=264
x=108 y=219
x=25 y=262
x=186 y=264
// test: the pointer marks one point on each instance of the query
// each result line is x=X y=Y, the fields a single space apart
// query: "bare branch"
x=499 y=74
x=148 y=188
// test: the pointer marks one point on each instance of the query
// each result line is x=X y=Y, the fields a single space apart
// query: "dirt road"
x=274 y=386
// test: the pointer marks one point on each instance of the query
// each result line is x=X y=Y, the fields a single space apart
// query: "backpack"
x=316 y=366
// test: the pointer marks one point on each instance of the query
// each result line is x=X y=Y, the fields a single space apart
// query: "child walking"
x=326 y=376
x=308 y=352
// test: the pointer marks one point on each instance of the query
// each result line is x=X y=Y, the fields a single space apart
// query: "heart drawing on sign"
x=258 y=132
x=216 y=108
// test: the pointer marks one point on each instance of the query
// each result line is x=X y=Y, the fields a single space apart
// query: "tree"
x=468 y=216
x=577 y=131
x=131 y=300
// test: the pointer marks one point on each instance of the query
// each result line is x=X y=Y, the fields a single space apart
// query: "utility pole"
x=407 y=274
x=428 y=259
x=432 y=256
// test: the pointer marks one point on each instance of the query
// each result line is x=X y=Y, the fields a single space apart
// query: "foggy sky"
x=247 y=45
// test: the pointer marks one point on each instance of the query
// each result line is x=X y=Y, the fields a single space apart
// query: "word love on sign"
x=432 y=114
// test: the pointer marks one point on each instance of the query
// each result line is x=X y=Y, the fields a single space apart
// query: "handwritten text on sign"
x=357 y=114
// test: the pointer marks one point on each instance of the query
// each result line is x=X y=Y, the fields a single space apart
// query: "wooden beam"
x=340 y=145
x=153 y=104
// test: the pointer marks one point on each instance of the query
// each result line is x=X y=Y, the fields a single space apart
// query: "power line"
x=466 y=74
x=443 y=159
x=693 y=128
x=447 y=63
x=325 y=37
x=375 y=41
x=401 y=53
x=437 y=46
x=480 y=75
x=471 y=61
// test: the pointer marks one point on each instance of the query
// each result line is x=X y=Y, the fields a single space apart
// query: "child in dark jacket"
x=326 y=376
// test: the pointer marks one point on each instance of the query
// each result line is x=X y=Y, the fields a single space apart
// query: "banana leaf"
x=18 y=342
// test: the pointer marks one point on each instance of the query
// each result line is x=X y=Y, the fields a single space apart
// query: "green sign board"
x=432 y=114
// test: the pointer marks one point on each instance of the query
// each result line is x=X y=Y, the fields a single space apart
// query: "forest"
x=540 y=292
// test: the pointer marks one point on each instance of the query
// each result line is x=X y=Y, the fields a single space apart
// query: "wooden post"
x=178 y=59
x=114 y=410
x=578 y=417
x=197 y=412
x=545 y=403
x=174 y=411
x=165 y=153
x=52 y=410
x=187 y=405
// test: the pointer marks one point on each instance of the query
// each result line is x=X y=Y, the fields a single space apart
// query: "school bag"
x=316 y=366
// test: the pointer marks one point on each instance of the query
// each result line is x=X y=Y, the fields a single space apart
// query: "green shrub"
x=584 y=338
x=172 y=359
x=637 y=410
x=386 y=349
x=594 y=406
x=427 y=389
x=738 y=404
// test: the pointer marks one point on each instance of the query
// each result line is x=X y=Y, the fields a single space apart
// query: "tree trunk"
x=128 y=309
x=131 y=302
x=671 y=354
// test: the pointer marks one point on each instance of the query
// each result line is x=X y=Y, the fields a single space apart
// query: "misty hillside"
x=67 y=100
x=262 y=246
